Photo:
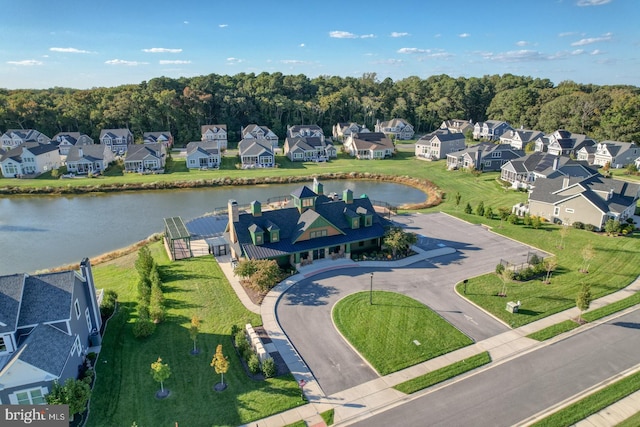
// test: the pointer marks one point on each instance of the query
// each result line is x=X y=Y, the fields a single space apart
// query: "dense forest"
x=276 y=100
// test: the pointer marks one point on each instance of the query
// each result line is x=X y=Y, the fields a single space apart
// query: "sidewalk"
x=378 y=395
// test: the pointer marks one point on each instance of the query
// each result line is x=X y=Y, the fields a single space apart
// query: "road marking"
x=470 y=319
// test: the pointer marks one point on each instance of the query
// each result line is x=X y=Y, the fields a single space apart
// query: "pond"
x=41 y=232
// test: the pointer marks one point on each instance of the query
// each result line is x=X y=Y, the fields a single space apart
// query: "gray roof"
x=372 y=141
x=35 y=148
x=253 y=130
x=46 y=348
x=152 y=137
x=292 y=130
x=137 y=152
x=115 y=133
x=25 y=134
x=11 y=288
x=254 y=147
x=205 y=147
x=214 y=128
x=92 y=153
x=47 y=298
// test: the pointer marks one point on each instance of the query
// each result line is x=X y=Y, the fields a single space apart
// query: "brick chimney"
x=234 y=216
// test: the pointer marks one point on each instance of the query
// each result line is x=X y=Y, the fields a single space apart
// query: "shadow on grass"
x=529 y=312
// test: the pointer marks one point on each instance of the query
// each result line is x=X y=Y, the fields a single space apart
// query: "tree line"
x=275 y=100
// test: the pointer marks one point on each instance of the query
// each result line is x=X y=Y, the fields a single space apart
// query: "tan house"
x=437 y=145
x=395 y=128
x=457 y=126
x=369 y=145
x=592 y=200
x=217 y=133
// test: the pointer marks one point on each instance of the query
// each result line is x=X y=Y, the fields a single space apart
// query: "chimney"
x=556 y=160
x=80 y=152
x=318 y=188
x=234 y=216
x=256 y=208
x=87 y=275
x=347 y=196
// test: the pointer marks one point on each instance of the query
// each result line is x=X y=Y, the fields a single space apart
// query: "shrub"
x=578 y=225
x=108 y=305
x=590 y=227
x=254 y=364
x=488 y=213
x=92 y=357
x=468 y=209
x=499 y=269
x=269 y=368
x=534 y=260
x=513 y=219
x=143 y=328
x=234 y=330
x=527 y=220
x=480 y=209
x=88 y=375
x=536 y=222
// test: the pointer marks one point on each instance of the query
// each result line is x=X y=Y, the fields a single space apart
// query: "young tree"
x=458 y=196
x=397 y=240
x=144 y=262
x=194 y=330
x=583 y=300
x=74 y=393
x=506 y=276
x=588 y=253
x=550 y=265
x=504 y=214
x=468 y=209
x=480 y=209
x=564 y=233
x=156 y=303
x=220 y=363
x=488 y=213
x=612 y=226
x=267 y=274
x=160 y=372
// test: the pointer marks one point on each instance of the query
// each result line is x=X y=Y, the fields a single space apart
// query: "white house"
x=203 y=155
x=30 y=159
x=217 y=133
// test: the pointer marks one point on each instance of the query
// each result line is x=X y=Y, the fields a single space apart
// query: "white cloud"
x=342 y=35
x=223 y=25
x=437 y=36
x=592 y=2
x=367 y=36
x=232 y=61
x=577 y=52
x=301 y=44
x=389 y=61
x=464 y=35
x=412 y=50
x=522 y=43
x=68 y=50
x=589 y=40
x=439 y=55
x=185 y=22
x=123 y=62
x=161 y=50
x=396 y=34
x=567 y=34
x=26 y=62
x=596 y=52
x=516 y=56
x=177 y=61
x=293 y=61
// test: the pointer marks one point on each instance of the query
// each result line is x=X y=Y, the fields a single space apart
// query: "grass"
x=327 y=416
x=443 y=374
x=125 y=391
x=384 y=333
x=614 y=267
x=554 y=330
x=592 y=403
x=632 y=421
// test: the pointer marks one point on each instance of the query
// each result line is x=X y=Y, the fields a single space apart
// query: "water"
x=39 y=232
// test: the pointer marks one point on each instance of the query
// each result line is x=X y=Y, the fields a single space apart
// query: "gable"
x=310 y=223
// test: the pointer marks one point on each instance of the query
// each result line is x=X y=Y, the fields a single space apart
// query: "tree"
x=550 y=265
x=564 y=232
x=144 y=262
x=397 y=239
x=220 y=363
x=194 y=330
x=583 y=300
x=503 y=213
x=74 y=393
x=612 y=226
x=588 y=253
x=458 y=196
x=160 y=372
x=506 y=276
x=245 y=268
x=267 y=274
x=468 y=209
x=156 y=303
x=488 y=213
x=480 y=209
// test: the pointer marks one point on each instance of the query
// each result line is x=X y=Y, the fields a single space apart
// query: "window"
x=556 y=211
x=569 y=210
x=275 y=236
x=307 y=203
x=487 y=163
x=496 y=154
x=29 y=397
x=258 y=239
x=318 y=233
x=368 y=220
x=355 y=223
x=86 y=315
x=3 y=345
x=77 y=307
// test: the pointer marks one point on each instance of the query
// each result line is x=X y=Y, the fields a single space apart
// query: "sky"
x=95 y=43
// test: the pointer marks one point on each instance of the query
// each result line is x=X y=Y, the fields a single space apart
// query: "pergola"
x=177 y=238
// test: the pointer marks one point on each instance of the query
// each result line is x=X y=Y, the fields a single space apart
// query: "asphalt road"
x=516 y=390
x=304 y=311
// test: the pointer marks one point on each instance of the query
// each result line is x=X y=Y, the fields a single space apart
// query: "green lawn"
x=443 y=374
x=384 y=333
x=632 y=421
x=124 y=390
x=615 y=266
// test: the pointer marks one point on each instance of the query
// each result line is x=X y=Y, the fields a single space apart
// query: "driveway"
x=304 y=311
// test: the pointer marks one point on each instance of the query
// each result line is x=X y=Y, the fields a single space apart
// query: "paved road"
x=304 y=312
x=516 y=390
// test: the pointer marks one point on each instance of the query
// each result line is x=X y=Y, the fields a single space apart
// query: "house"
x=145 y=158
x=524 y=171
x=259 y=132
x=47 y=324
x=89 y=159
x=117 y=139
x=485 y=156
x=66 y=140
x=369 y=145
x=519 y=138
x=305 y=131
x=256 y=153
x=14 y=137
x=31 y=159
x=395 y=128
x=457 y=126
x=164 y=138
x=563 y=142
x=315 y=227
x=308 y=149
x=437 y=145
x=593 y=200
x=343 y=130
x=217 y=133
x=490 y=130
x=616 y=154
x=203 y=155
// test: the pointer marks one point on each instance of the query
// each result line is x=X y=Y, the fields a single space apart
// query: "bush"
x=578 y=225
x=254 y=364
x=108 y=305
x=513 y=219
x=590 y=227
x=468 y=209
x=536 y=222
x=269 y=368
x=92 y=357
x=499 y=269
x=488 y=213
x=143 y=328
x=234 y=330
x=527 y=220
x=480 y=209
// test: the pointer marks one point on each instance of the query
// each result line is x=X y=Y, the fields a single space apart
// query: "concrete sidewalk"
x=366 y=399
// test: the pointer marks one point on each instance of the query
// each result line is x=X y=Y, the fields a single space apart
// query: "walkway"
x=374 y=396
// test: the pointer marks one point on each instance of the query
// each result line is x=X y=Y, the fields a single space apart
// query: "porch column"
x=296 y=257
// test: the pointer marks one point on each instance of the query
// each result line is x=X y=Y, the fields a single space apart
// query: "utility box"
x=513 y=307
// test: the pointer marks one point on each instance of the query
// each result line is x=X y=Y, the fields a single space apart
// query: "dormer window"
x=3 y=345
x=307 y=203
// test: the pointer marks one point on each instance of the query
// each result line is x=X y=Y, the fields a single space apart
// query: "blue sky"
x=91 y=43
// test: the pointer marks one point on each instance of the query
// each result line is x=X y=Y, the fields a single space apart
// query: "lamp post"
x=371 y=289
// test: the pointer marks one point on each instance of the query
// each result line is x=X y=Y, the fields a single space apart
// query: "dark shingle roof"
x=89 y=152
x=46 y=348
x=47 y=298
x=11 y=288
